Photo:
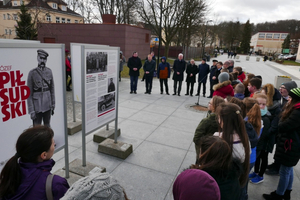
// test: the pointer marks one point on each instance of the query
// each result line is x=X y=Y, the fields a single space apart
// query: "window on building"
x=68 y=21
x=15 y=16
x=54 y=5
x=21 y=2
x=8 y=16
x=147 y=38
x=269 y=35
x=283 y=36
x=48 y=17
x=261 y=35
x=15 y=3
x=57 y=20
x=63 y=20
x=4 y=16
x=6 y=31
x=63 y=8
x=276 y=36
x=76 y=21
x=9 y=32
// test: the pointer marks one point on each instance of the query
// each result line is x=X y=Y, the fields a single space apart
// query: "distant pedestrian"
x=134 y=64
x=163 y=73
x=122 y=62
x=191 y=72
x=149 y=68
x=202 y=77
x=179 y=68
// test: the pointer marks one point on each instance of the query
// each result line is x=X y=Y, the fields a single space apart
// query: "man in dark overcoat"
x=179 y=68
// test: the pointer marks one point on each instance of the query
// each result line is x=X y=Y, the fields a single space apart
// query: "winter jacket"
x=33 y=184
x=134 y=62
x=163 y=70
x=68 y=65
x=242 y=77
x=223 y=89
x=274 y=119
x=178 y=66
x=212 y=72
x=203 y=72
x=253 y=139
x=230 y=69
x=217 y=73
x=149 y=66
x=264 y=137
x=191 y=69
x=288 y=143
x=228 y=181
x=207 y=127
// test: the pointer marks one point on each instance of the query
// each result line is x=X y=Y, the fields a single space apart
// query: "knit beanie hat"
x=295 y=93
x=97 y=186
x=224 y=76
x=290 y=85
x=195 y=184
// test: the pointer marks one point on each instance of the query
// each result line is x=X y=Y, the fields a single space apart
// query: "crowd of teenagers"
x=245 y=121
x=233 y=142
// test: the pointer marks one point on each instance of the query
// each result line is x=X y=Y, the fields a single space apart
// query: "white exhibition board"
x=17 y=60
x=100 y=85
x=76 y=64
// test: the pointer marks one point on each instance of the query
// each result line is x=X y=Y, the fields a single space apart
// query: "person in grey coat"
x=41 y=101
x=179 y=68
x=122 y=62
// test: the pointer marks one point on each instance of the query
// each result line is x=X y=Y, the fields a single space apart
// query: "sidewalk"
x=161 y=130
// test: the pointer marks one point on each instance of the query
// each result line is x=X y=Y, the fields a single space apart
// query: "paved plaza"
x=161 y=130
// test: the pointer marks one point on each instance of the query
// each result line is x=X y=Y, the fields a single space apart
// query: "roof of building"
x=42 y=4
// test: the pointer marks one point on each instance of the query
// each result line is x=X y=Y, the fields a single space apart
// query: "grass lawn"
x=125 y=72
x=290 y=62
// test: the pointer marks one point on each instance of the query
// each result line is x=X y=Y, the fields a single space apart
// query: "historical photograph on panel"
x=41 y=101
x=96 y=62
x=111 y=84
x=106 y=102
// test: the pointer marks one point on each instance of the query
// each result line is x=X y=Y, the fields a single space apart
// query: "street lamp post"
x=204 y=39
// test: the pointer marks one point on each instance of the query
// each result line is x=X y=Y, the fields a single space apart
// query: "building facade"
x=42 y=11
x=268 y=41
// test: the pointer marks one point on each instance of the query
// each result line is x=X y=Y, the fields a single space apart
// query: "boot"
x=273 y=196
x=287 y=195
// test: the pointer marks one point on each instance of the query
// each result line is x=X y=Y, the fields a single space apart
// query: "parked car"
x=291 y=57
x=281 y=56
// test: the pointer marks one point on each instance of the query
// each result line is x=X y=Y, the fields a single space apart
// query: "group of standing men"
x=179 y=67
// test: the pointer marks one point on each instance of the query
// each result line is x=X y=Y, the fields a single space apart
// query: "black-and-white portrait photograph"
x=106 y=102
x=111 y=84
x=41 y=101
x=96 y=62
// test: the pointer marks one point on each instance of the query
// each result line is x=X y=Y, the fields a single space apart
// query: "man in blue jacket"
x=202 y=78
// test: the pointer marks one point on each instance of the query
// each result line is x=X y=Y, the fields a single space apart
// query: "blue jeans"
x=286 y=179
x=133 y=83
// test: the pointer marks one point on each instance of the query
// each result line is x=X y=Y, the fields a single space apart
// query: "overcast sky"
x=255 y=10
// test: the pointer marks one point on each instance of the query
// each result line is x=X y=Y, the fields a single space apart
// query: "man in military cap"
x=41 y=102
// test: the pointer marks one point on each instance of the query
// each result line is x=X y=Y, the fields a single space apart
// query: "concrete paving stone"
x=142 y=183
x=170 y=97
x=149 y=117
x=134 y=141
x=126 y=112
x=109 y=162
x=76 y=139
x=188 y=114
x=135 y=129
x=181 y=124
x=72 y=177
x=159 y=109
x=189 y=159
x=171 y=137
x=170 y=103
x=116 y=149
x=61 y=153
x=133 y=104
x=157 y=157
